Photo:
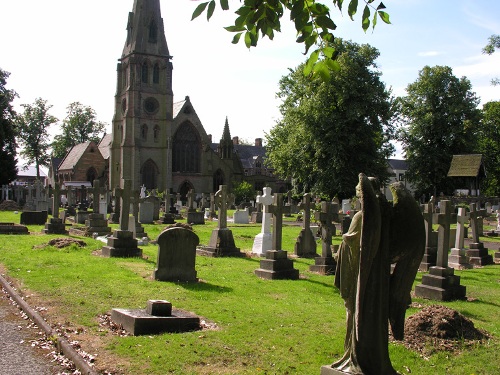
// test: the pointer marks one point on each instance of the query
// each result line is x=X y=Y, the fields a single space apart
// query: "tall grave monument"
x=477 y=253
x=430 y=254
x=263 y=241
x=305 y=246
x=326 y=264
x=458 y=259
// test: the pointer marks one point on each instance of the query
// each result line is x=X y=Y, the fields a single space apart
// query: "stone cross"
x=444 y=220
x=96 y=193
x=428 y=217
x=125 y=204
x=475 y=215
x=56 y=201
x=135 y=206
x=190 y=197
x=461 y=219
x=306 y=206
x=221 y=201
x=277 y=210
x=167 y=201
x=326 y=217
x=266 y=200
x=212 y=205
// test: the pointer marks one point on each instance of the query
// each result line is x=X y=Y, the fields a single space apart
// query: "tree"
x=32 y=128
x=493 y=44
x=438 y=118
x=312 y=20
x=489 y=146
x=79 y=126
x=332 y=130
x=243 y=192
x=8 y=168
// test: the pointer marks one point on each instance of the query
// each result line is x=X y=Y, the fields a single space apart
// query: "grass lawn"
x=262 y=326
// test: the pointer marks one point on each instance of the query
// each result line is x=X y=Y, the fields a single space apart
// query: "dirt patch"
x=8 y=205
x=439 y=328
x=60 y=243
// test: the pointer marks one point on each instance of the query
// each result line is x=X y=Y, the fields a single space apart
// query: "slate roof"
x=105 y=145
x=398 y=164
x=466 y=166
x=246 y=153
x=30 y=171
x=73 y=156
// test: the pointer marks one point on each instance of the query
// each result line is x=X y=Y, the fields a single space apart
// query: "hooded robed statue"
x=381 y=234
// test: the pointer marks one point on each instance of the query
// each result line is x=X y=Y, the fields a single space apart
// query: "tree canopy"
x=332 y=130
x=438 y=119
x=79 y=126
x=489 y=49
x=8 y=168
x=32 y=126
x=312 y=20
x=489 y=146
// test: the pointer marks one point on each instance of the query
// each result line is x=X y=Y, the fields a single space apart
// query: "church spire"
x=145 y=31
x=226 y=146
x=226 y=135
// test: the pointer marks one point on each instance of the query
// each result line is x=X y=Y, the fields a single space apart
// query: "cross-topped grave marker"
x=477 y=253
x=457 y=258
x=221 y=202
x=263 y=241
x=305 y=246
x=326 y=264
x=430 y=254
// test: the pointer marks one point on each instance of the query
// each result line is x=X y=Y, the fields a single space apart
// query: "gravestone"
x=221 y=242
x=33 y=217
x=55 y=224
x=96 y=222
x=441 y=284
x=430 y=253
x=257 y=214
x=263 y=241
x=146 y=212
x=241 y=216
x=158 y=317
x=488 y=208
x=11 y=228
x=277 y=265
x=477 y=253
x=122 y=243
x=305 y=245
x=193 y=216
x=176 y=255
x=458 y=259
x=168 y=215
x=326 y=264
x=139 y=229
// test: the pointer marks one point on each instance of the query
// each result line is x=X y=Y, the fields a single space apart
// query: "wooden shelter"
x=471 y=168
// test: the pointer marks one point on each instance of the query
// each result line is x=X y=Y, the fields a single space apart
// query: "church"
x=155 y=141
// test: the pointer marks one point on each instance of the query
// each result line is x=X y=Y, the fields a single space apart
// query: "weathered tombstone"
x=346 y=206
x=176 y=255
x=221 y=242
x=305 y=245
x=488 y=207
x=241 y=216
x=146 y=212
x=96 y=222
x=277 y=265
x=122 y=243
x=168 y=215
x=263 y=241
x=33 y=217
x=139 y=229
x=458 y=259
x=158 y=317
x=257 y=215
x=441 y=283
x=325 y=264
x=477 y=253
x=430 y=254
x=193 y=216
x=55 y=224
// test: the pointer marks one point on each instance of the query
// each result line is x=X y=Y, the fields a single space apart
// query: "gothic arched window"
x=91 y=175
x=156 y=133
x=145 y=72
x=144 y=132
x=186 y=150
x=149 y=175
x=218 y=180
x=156 y=73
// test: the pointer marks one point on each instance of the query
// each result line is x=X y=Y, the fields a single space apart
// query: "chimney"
x=258 y=142
x=236 y=141
x=209 y=138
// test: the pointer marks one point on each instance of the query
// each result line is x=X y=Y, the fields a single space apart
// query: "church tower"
x=143 y=103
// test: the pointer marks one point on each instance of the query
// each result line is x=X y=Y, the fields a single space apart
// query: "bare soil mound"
x=437 y=328
x=8 y=205
x=63 y=242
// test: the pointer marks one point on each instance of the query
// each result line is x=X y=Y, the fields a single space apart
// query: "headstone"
x=95 y=221
x=139 y=229
x=346 y=206
x=11 y=228
x=168 y=215
x=326 y=264
x=176 y=255
x=430 y=254
x=122 y=243
x=55 y=224
x=193 y=216
x=158 y=317
x=33 y=217
x=257 y=214
x=263 y=241
x=305 y=245
x=477 y=253
x=221 y=242
x=441 y=283
x=241 y=216
x=458 y=259
x=488 y=207
x=146 y=212
x=277 y=265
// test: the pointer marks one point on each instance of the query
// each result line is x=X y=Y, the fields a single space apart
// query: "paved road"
x=17 y=357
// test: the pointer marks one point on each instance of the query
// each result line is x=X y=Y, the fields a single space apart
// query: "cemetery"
x=181 y=309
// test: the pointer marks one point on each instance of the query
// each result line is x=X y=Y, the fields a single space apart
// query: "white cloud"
x=429 y=53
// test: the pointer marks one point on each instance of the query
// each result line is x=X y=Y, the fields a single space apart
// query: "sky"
x=67 y=50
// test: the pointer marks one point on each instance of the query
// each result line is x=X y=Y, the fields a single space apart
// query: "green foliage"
x=438 y=119
x=8 y=168
x=79 y=126
x=493 y=44
x=32 y=127
x=489 y=146
x=312 y=20
x=332 y=130
x=243 y=192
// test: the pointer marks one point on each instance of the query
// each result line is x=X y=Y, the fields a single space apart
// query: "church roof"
x=466 y=166
x=74 y=155
x=178 y=107
x=398 y=164
x=104 y=145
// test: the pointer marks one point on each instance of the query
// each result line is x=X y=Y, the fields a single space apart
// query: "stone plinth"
x=440 y=284
x=459 y=260
x=11 y=228
x=262 y=243
x=305 y=246
x=158 y=317
x=81 y=217
x=121 y=244
x=478 y=254
x=256 y=217
x=277 y=266
x=55 y=226
x=168 y=218
x=97 y=223
x=324 y=265
x=241 y=217
x=195 y=218
x=34 y=217
x=221 y=244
